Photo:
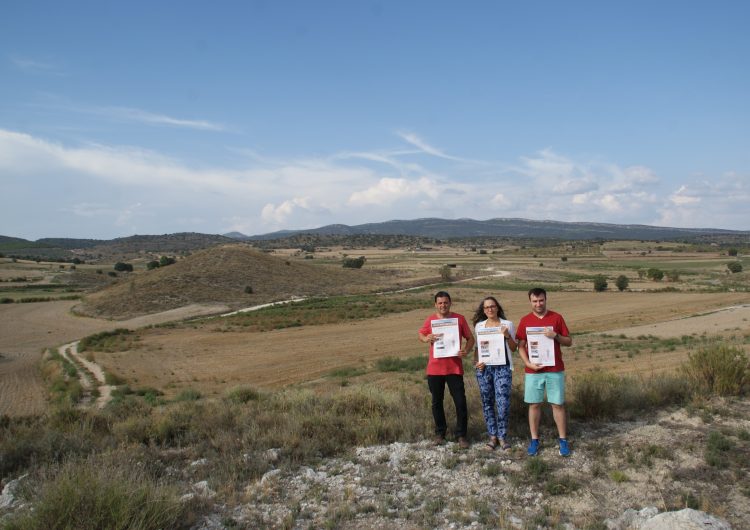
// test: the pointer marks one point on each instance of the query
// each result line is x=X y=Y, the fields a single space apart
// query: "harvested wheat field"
x=213 y=361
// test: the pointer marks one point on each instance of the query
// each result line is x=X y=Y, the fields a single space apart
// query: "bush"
x=655 y=274
x=242 y=394
x=600 y=283
x=94 y=495
x=718 y=369
x=166 y=260
x=354 y=263
x=622 y=282
x=123 y=267
x=599 y=394
x=151 y=265
x=248 y=289
x=734 y=267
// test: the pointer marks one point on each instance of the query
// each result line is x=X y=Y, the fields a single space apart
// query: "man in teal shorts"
x=539 y=335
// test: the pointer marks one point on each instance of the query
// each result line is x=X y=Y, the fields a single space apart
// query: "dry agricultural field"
x=212 y=357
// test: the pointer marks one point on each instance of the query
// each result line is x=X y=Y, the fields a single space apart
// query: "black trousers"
x=436 y=384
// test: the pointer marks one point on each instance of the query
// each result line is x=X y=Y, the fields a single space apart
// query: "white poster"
x=540 y=347
x=447 y=338
x=491 y=345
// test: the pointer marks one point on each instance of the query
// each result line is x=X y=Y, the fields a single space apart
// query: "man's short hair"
x=537 y=291
x=442 y=294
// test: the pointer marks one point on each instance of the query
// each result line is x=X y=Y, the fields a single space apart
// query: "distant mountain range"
x=433 y=228
x=501 y=227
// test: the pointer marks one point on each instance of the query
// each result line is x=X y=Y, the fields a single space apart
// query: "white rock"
x=201 y=488
x=269 y=476
x=687 y=519
x=8 y=497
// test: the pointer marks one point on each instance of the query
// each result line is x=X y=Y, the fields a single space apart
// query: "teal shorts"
x=536 y=384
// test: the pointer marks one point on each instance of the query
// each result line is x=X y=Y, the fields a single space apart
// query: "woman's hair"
x=479 y=315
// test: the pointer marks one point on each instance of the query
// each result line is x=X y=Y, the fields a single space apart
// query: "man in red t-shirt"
x=539 y=378
x=447 y=370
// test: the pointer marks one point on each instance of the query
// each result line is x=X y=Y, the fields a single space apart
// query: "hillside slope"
x=220 y=275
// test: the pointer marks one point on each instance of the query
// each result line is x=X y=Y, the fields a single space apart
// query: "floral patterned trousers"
x=494 y=388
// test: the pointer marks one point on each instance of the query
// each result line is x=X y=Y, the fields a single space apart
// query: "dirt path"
x=27 y=329
x=92 y=376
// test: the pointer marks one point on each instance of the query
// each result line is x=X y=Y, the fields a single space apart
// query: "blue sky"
x=121 y=118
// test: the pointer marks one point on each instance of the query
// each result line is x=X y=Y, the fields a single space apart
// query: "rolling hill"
x=220 y=275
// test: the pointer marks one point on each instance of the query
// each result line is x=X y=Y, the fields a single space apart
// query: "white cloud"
x=719 y=202
x=117 y=185
x=280 y=214
x=142 y=116
x=388 y=190
x=501 y=201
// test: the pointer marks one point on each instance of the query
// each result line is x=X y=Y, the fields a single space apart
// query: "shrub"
x=123 y=267
x=655 y=274
x=354 y=263
x=166 y=260
x=622 y=282
x=599 y=394
x=94 y=495
x=248 y=289
x=717 y=369
x=734 y=267
x=107 y=341
x=600 y=283
x=242 y=394
x=152 y=265
x=732 y=252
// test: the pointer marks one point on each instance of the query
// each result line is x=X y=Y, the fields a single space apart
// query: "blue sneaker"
x=564 y=449
x=533 y=447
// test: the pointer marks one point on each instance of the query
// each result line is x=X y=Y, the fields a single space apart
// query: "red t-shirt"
x=558 y=326
x=446 y=365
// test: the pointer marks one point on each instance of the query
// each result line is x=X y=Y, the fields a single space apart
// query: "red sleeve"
x=426 y=328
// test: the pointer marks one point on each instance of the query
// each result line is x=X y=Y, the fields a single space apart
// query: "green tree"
x=655 y=274
x=734 y=267
x=123 y=267
x=622 y=282
x=600 y=283
x=153 y=264
x=166 y=260
x=732 y=252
